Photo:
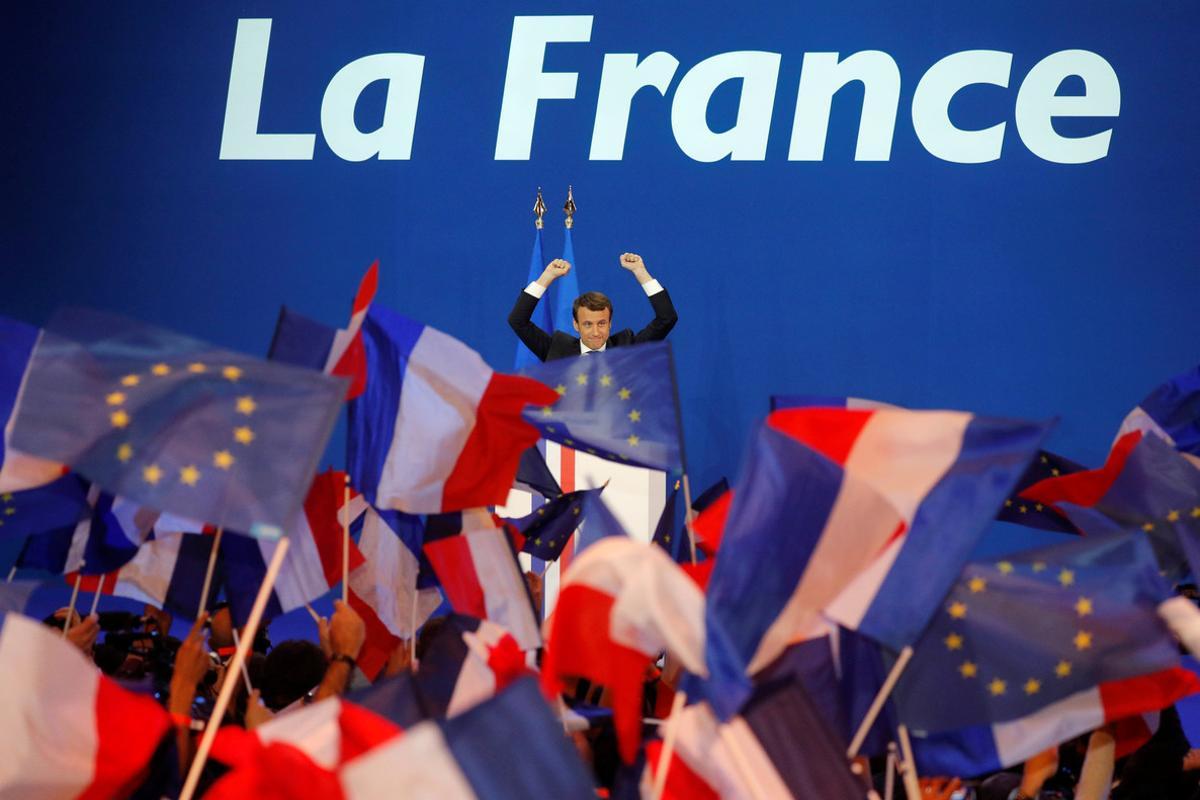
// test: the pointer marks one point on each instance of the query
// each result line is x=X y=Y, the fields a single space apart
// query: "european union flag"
x=175 y=423
x=1031 y=513
x=548 y=529
x=53 y=507
x=1020 y=633
x=618 y=404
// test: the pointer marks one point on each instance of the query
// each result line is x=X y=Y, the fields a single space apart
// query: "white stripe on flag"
x=1021 y=738
x=147 y=576
x=302 y=577
x=314 y=729
x=852 y=603
x=419 y=761
x=701 y=745
x=442 y=386
x=387 y=579
x=503 y=586
x=903 y=454
x=47 y=713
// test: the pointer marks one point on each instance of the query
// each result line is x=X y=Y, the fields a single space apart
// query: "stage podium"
x=635 y=495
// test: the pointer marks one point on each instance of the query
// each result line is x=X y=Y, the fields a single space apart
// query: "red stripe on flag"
x=580 y=645
x=455 y=567
x=1088 y=487
x=832 y=432
x=89 y=583
x=566 y=481
x=682 y=782
x=487 y=466
x=129 y=728
x=361 y=730
x=379 y=643
x=709 y=524
x=321 y=507
x=1150 y=692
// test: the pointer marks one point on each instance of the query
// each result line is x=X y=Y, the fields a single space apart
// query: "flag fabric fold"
x=18 y=470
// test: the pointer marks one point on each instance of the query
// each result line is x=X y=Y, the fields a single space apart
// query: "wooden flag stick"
x=412 y=628
x=208 y=573
x=741 y=764
x=689 y=516
x=877 y=704
x=912 y=784
x=12 y=573
x=346 y=540
x=96 y=596
x=889 y=775
x=74 y=598
x=245 y=671
x=239 y=658
x=312 y=613
x=668 y=748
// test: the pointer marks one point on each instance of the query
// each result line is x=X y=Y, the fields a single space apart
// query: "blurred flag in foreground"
x=174 y=423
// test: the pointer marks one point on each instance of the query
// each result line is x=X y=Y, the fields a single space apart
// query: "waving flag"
x=436 y=430
x=767 y=736
x=1144 y=485
x=69 y=731
x=312 y=566
x=1040 y=647
x=618 y=405
x=480 y=575
x=621 y=604
x=507 y=747
x=166 y=572
x=57 y=506
x=1172 y=412
x=467 y=661
x=106 y=537
x=174 y=423
x=536 y=475
x=547 y=529
x=867 y=515
x=303 y=342
x=18 y=470
x=1021 y=511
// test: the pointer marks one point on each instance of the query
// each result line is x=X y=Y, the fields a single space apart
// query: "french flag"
x=982 y=749
x=865 y=515
x=481 y=578
x=69 y=731
x=313 y=564
x=303 y=342
x=507 y=747
x=436 y=429
x=1171 y=412
x=468 y=661
x=755 y=754
x=18 y=470
x=623 y=603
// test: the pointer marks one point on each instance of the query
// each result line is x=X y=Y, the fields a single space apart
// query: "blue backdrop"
x=1018 y=286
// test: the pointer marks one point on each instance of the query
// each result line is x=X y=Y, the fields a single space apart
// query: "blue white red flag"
x=57 y=506
x=80 y=734
x=546 y=530
x=1172 y=412
x=467 y=661
x=436 y=429
x=864 y=516
x=481 y=578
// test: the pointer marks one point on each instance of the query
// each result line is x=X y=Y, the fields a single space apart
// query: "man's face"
x=592 y=326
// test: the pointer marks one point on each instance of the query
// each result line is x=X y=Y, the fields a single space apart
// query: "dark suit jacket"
x=549 y=347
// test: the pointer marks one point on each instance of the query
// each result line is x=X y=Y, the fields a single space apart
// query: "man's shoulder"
x=562 y=345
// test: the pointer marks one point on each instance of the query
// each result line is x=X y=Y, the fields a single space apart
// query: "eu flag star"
x=231 y=373
x=953 y=642
x=581 y=379
x=997 y=687
x=243 y=435
x=1032 y=686
x=623 y=393
x=223 y=459
x=160 y=370
x=131 y=380
x=1083 y=607
x=957 y=610
x=606 y=380
x=1082 y=640
x=635 y=416
x=189 y=475
x=124 y=453
x=246 y=405
x=196 y=368
x=115 y=398
x=968 y=669
x=120 y=418
x=152 y=474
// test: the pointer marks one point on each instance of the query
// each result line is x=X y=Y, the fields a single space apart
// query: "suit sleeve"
x=520 y=319
x=664 y=319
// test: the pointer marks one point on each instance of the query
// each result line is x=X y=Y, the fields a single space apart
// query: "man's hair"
x=592 y=301
x=291 y=670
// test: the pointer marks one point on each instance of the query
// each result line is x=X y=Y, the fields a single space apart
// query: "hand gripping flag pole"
x=239 y=658
x=74 y=599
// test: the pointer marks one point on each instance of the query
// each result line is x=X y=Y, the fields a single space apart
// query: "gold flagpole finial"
x=569 y=207
x=539 y=209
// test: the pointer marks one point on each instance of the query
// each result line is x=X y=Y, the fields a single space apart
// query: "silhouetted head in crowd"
x=291 y=670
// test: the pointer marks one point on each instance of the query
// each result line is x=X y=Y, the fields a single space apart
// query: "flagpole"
x=208 y=573
x=239 y=658
x=668 y=749
x=346 y=539
x=741 y=764
x=12 y=573
x=889 y=776
x=877 y=704
x=96 y=596
x=412 y=630
x=688 y=513
x=912 y=784
x=245 y=671
x=74 y=598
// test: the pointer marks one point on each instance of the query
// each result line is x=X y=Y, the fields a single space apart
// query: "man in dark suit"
x=592 y=313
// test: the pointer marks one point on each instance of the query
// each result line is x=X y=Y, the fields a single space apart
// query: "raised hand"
x=554 y=270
